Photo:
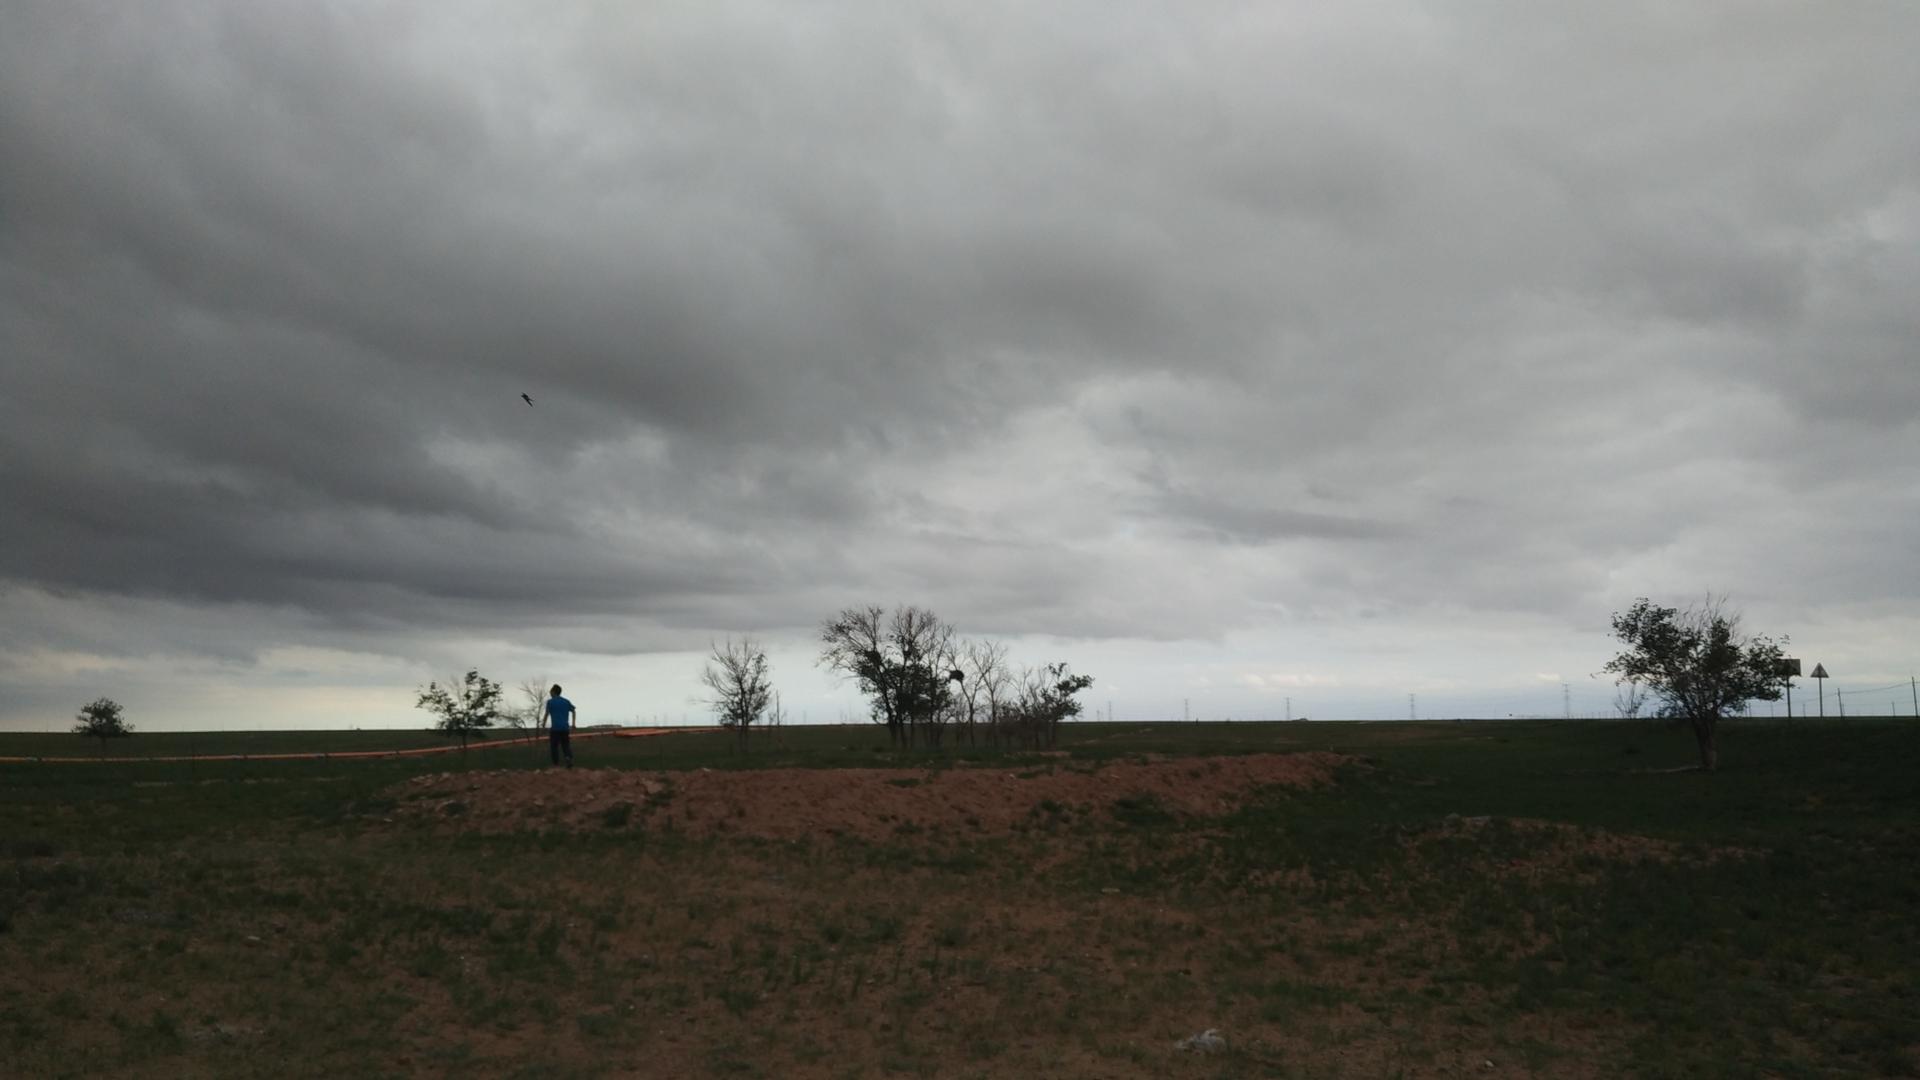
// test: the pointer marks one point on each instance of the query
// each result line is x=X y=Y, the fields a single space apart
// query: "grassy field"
x=161 y=744
x=1505 y=899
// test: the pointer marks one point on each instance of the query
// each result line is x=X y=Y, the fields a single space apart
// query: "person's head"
x=555 y=692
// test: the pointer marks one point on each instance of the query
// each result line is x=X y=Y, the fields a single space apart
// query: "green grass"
x=142 y=744
x=263 y=917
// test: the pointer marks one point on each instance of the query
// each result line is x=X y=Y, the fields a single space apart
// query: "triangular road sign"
x=1819 y=671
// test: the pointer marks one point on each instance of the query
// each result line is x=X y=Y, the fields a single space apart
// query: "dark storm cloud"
x=1126 y=321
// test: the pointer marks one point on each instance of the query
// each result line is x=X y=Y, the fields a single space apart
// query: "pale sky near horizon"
x=1241 y=355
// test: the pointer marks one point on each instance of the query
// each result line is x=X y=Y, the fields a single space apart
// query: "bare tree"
x=776 y=718
x=922 y=689
x=742 y=683
x=1000 y=688
x=1629 y=699
x=981 y=687
x=948 y=712
x=897 y=661
x=530 y=714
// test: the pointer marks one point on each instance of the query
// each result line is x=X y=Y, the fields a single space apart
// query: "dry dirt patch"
x=1562 y=849
x=868 y=803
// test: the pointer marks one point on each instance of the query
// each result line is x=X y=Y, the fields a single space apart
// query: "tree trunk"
x=1709 y=753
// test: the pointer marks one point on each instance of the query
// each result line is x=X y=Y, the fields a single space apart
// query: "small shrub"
x=31 y=848
x=597 y=1025
x=1141 y=811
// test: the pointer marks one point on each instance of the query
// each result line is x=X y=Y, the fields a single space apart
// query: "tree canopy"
x=103 y=719
x=1697 y=663
x=463 y=708
x=902 y=662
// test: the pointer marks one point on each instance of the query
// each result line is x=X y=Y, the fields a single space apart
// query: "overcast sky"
x=1237 y=354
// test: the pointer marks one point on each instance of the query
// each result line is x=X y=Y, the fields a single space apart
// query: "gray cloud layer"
x=1135 y=321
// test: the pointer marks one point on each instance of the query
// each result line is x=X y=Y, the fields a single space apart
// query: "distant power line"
x=1871 y=689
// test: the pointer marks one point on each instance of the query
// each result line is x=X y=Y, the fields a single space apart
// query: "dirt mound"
x=869 y=803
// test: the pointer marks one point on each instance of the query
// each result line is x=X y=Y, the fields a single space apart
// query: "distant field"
x=145 y=744
x=1499 y=899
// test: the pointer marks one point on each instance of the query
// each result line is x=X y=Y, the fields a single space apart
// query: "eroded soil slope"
x=870 y=803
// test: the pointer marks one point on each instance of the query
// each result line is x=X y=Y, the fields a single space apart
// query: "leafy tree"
x=102 y=719
x=1696 y=663
x=899 y=661
x=741 y=680
x=1046 y=697
x=469 y=707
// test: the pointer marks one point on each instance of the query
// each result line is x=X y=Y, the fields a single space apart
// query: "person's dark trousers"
x=558 y=743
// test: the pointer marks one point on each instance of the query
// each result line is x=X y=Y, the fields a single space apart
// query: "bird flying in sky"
x=526 y=399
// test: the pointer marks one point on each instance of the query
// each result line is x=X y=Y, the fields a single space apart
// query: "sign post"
x=1820 y=672
x=1788 y=667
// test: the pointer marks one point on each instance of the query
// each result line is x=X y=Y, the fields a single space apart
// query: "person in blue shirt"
x=559 y=715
